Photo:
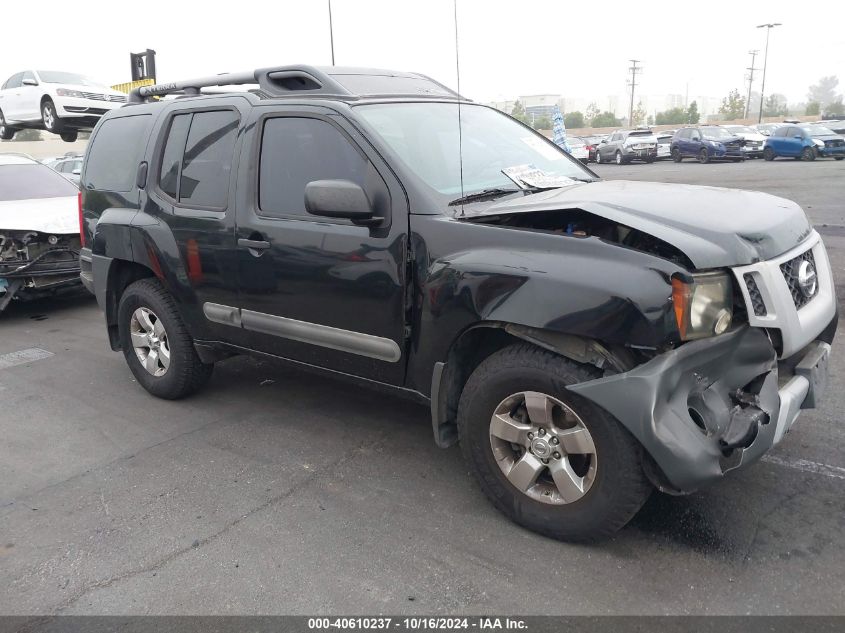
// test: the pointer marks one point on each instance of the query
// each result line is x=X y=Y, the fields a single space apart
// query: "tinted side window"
x=14 y=81
x=794 y=131
x=171 y=160
x=207 y=162
x=295 y=151
x=781 y=131
x=115 y=153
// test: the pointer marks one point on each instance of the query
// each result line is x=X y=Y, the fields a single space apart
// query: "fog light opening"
x=698 y=419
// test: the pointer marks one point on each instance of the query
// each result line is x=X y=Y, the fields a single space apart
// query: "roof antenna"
x=460 y=130
x=331 y=31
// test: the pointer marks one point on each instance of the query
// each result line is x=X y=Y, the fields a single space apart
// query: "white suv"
x=58 y=102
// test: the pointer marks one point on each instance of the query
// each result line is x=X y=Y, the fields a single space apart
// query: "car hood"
x=47 y=215
x=713 y=226
x=752 y=137
x=100 y=90
x=828 y=137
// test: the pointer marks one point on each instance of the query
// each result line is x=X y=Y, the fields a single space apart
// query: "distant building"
x=537 y=106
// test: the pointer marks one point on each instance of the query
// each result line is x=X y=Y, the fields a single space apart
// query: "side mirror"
x=799 y=137
x=29 y=82
x=339 y=199
x=76 y=172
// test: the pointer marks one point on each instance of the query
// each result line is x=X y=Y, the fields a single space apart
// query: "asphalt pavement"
x=276 y=492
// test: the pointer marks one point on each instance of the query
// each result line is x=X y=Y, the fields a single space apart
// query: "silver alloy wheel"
x=543 y=448
x=618 y=157
x=48 y=115
x=149 y=339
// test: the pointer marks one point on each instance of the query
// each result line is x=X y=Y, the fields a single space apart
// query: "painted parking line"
x=22 y=357
x=837 y=472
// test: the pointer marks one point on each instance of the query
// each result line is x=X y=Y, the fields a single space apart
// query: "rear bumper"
x=714 y=405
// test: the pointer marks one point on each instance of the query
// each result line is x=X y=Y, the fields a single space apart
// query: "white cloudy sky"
x=507 y=48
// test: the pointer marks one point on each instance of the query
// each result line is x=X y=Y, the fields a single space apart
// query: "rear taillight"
x=81 y=222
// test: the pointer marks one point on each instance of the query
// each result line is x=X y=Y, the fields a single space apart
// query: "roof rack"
x=299 y=79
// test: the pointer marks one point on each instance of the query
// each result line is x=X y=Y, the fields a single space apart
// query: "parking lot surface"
x=275 y=491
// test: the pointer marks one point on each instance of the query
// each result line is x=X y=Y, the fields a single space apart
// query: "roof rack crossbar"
x=274 y=81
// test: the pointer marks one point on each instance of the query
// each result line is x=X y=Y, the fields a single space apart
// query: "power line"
x=750 y=81
x=634 y=69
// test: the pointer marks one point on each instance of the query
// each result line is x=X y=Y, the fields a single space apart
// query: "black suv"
x=583 y=340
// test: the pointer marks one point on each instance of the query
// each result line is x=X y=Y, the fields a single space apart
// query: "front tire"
x=768 y=154
x=598 y=157
x=808 y=154
x=676 y=155
x=156 y=344
x=69 y=137
x=703 y=156
x=548 y=459
x=52 y=122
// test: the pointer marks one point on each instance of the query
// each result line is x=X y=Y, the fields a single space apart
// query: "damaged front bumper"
x=32 y=269
x=713 y=405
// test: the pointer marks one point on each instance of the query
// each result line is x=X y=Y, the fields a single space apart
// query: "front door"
x=320 y=290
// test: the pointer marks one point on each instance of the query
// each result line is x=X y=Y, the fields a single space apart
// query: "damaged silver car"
x=39 y=230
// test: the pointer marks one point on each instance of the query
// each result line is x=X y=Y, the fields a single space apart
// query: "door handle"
x=257 y=245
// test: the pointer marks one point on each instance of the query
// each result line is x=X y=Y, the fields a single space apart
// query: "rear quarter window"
x=115 y=153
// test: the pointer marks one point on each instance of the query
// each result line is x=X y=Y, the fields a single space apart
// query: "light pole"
x=750 y=81
x=331 y=31
x=768 y=28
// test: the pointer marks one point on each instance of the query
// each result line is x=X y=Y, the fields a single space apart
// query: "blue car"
x=804 y=142
x=706 y=143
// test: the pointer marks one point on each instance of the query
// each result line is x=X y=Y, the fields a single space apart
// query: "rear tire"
x=6 y=133
x=768 y=154
x=146 y=308
x=619 y=159
x=839 y=158
x=69 y=137
x=607 y=460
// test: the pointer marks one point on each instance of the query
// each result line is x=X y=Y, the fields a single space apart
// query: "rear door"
x=319 y=290
x=191 y=187
x=10 y=103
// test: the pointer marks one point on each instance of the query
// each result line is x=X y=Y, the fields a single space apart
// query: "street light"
x=768 y=28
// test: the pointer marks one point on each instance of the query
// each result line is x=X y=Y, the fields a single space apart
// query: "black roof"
x=334 y=82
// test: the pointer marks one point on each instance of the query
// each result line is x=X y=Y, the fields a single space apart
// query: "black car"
x=707 y=143
x=585 y=341
x=625 y=146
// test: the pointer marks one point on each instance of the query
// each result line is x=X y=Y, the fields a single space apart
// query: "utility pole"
x=750 y=81
x=768 y=28
x=634 y=69
x=331 y=30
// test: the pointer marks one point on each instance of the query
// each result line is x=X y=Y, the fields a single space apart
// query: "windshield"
x=24 y=182
x=742 y=129
x=58 y=77
x=818 y=130
x=425 y=137
x=716 y=132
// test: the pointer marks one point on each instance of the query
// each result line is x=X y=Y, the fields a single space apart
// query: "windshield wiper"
x=487 y=194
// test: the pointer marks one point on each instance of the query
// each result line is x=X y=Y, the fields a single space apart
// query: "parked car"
x=766 y=129
x=59 y=102
x=583 y=340
x=592 y=145
x=578 y=148
x=39 y=230
x=805 y=142
x=706 y=143
x=836 y=125
x=69 y=167
x=754 y=139
x=664 y=145
x=624 y=146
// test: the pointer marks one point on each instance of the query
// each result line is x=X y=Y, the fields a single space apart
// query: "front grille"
x=117 y=98
x=94 y=95
x=756 y=298
x=834 y=143
x=790 y=271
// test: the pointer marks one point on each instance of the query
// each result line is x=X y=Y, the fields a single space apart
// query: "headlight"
x=703 y=304
x=818 y=142
x=64 y=92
